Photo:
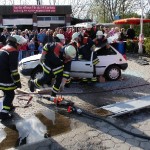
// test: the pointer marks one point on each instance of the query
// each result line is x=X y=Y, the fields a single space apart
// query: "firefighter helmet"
x=70 y=51
x=99 y=33
x=20 y=39
x=75 y=35
x=60 y=36
x=88 y=26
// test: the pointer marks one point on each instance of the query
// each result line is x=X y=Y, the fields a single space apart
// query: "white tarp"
x=128 y=106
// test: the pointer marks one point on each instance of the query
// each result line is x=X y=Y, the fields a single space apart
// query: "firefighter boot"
x=94 y=79
x=84 y=81
x=5 y=115
x=31 y=85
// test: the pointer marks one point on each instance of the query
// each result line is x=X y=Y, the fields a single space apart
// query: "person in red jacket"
x=9 y=76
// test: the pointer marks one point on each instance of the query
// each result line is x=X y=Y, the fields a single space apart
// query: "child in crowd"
x=40 y=48
x=31 y=47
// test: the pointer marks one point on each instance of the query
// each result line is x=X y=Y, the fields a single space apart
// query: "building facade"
x=35 y=16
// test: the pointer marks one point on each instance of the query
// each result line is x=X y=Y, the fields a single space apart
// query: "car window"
x=106 y=51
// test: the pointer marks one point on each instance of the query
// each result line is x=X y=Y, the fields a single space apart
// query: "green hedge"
x=129 y=46
x=147 y=45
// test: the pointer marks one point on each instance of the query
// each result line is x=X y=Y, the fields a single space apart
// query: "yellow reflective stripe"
x=37 y=83
x=45 y=48
x=6 y=107
x=66 y=75
x=15 y=73
x=47 y=71
x=56 y=72
x=56 y=89
x=8 y=88
x=17 y=80
x=84 y=79
x=94 y=79
x=95 y=61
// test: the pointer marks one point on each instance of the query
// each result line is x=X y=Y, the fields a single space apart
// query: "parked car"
x=110 y=65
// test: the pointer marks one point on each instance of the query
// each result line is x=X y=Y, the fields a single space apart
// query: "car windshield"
x=106 y=51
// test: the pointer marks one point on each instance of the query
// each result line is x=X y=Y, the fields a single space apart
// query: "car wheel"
x=113 y=73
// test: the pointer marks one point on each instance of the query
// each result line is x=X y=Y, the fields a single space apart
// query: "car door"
x=82 y=68
x=107 y=57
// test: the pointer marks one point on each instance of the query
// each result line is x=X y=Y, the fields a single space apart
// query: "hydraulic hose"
x=90 y=116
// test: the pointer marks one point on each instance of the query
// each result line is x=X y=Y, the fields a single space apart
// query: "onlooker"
x=131 y=36
x=40 y=48
x=31 y=46
x=4 y=36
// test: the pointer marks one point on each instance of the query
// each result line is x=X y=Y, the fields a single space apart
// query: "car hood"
x=31 y=58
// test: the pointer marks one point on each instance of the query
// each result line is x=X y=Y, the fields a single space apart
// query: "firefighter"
x=90 y=32
x=9 y=76
x=56 y=61
x=85 y=47
x=100 y=40
x=74 y=43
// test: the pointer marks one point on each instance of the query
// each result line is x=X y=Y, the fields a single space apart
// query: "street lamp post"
x=141 y=36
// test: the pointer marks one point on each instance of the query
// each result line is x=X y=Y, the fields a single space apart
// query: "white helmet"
x=88 y=26
x=70 y=51
x=20 y=39
x=99 y=33
x=75 y=35
x=60 y=36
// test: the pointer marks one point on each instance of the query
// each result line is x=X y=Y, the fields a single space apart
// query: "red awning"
x=131 y=21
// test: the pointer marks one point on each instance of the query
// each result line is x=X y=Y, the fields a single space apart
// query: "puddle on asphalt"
x=34 y=129
x=102 y=112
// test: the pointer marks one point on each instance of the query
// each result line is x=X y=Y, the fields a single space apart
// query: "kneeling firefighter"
x=9 y=76
x=56 y=62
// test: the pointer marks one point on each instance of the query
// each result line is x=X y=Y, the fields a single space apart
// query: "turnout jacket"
x=54 y=60
x=9 y=75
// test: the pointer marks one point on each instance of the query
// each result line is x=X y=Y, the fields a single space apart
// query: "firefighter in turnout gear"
x=9 y=76
x=56 y=62
x=85 y=47
x=100 y=40
x=74 y=43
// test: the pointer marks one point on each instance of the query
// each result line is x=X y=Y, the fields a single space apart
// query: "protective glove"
x=18 y=84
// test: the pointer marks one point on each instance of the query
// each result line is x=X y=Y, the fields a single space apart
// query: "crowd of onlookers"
x=37 y=39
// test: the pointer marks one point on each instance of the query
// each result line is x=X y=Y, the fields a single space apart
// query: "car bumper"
x=123 y=66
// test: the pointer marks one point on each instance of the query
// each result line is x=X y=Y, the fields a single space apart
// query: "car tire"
x=113 y=73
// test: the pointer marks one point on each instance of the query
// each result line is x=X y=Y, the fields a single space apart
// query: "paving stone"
x=104 y=136
x=118 y=139
x=133 y=142
x=145 y=145
x=108 y=144
x=122 y=146
x=135 y=148
x=114 y=132
x=92 y=133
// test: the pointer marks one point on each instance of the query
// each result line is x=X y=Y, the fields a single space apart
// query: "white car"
x=110 y=65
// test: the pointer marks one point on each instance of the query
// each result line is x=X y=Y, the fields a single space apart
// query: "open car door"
x=82 y=68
